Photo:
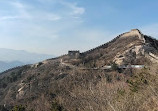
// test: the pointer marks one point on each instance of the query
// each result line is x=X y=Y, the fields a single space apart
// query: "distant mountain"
x=10 y=58
x=7 y=65
x=22 y=56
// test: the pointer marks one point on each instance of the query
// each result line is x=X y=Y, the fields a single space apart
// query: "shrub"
x=56 y=107
x=32 y=110
x=39 y=64
x=137 y=82
x=109 y=78
x=114 y=66
x=18 y=108
x=121 y=92
x=2 y=108
x=118 y=78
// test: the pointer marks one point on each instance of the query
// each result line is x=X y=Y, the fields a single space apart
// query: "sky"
x=56 y=26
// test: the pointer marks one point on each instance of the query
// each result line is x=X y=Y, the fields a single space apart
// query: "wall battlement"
x=103 y=45
x=133 y=32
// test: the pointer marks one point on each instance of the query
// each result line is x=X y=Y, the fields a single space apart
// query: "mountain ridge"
x=77 y=82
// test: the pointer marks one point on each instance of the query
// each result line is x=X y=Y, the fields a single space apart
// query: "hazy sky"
x=55 y=26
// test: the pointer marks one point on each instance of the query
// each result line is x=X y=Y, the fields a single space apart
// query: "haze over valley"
x=10 y=58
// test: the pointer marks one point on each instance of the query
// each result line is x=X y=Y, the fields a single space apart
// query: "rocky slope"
x=81 y=84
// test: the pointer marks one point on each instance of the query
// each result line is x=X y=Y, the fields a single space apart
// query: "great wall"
x=91 y=50
x=146 y=38
x=133 y=32
x=103 y=45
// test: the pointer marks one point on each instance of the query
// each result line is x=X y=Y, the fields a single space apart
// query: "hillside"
x=84 y=82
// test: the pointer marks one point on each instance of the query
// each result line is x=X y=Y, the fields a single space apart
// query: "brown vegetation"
x=52 y=86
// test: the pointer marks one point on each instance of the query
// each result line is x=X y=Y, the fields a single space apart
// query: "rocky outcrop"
x=131 y=53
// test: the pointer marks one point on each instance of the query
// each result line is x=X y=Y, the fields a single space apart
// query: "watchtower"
x=74 y=54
